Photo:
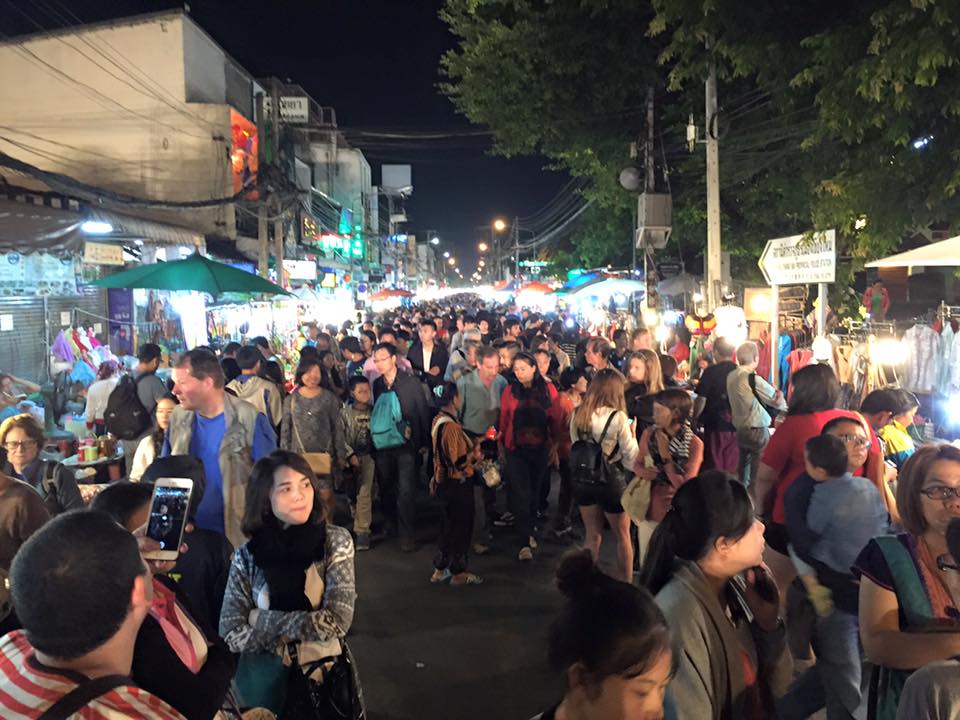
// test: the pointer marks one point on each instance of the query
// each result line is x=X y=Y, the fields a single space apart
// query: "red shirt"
x=784 y=453
x=509 y=405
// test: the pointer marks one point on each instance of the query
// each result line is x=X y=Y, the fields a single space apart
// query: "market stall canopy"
x=607 y=286
x=536 y=287
x=945 y=253
x=197 y=273
x=391 y=293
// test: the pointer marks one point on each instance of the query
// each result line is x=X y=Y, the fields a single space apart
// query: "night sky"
x=376 y=62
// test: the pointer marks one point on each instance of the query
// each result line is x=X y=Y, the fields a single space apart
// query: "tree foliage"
x=821 y=106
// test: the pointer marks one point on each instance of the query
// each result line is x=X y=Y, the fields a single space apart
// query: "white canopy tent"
x=945 y=253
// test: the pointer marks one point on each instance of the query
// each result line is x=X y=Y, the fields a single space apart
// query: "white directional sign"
x=799 y=259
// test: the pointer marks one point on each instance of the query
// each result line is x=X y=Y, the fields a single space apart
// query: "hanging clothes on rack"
x=923 y=361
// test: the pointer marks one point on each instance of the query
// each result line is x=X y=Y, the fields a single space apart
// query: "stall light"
x=662 y=333
x=434 y=241
x=650 y=317
x=446 y=253
x=698 y=297
x=96 y=227
x=888 y=351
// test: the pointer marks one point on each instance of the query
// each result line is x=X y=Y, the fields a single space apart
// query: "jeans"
x=364 y=475
x=838 y=680
x=397 y=476
x=751 y=441
x=526 y=469
x=456 y=525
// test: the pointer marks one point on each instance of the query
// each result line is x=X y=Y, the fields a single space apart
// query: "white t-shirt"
x=97 y=396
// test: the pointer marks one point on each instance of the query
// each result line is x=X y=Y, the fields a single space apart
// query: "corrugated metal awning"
x=27 y=227
x=127 y=227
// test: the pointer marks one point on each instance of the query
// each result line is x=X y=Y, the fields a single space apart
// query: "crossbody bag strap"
x=293 y=421
x=83 y=695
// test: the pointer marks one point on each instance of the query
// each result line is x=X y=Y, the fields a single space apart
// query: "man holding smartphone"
x=76 y=648
x=226 y=434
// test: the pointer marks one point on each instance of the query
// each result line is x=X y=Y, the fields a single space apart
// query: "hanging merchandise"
x=700 y=324
x=61 y=349
x=922 y=346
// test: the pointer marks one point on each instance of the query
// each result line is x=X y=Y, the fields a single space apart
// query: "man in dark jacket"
x=428 y=357
x=397 y=466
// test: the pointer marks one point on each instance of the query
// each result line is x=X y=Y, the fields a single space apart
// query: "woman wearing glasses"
x=909 y=596
x=22 y=437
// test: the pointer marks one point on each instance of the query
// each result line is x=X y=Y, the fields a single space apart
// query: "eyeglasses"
x=941 y=492
x=20 y=445
x=855 y=440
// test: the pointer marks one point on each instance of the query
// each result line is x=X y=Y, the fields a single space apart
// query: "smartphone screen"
x=168 y=515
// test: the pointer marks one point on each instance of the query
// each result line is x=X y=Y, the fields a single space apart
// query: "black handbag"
x=337 y=697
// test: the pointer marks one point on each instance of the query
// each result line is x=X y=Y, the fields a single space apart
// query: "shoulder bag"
x=320 y=462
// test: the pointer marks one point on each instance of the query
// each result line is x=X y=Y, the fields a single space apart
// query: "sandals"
x=466 y=579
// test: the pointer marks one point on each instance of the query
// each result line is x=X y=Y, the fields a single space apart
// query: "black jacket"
x=438 y=359
x=56 y=484
x=201 y=575
x=413 y=405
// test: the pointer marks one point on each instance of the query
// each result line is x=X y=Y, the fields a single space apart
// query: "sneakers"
x=504 y=520
x=526 y=554
x=362 y=541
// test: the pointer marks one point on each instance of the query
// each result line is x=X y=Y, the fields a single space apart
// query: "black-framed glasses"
x=20 y=444
x=941 y=492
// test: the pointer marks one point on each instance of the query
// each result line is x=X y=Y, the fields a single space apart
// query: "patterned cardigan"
x=273 y=628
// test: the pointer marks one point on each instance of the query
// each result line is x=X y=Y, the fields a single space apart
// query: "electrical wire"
x=98 y=195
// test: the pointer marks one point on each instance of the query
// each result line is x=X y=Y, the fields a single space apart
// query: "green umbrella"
x=197 y=273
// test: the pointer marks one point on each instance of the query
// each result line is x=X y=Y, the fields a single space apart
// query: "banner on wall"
x=37 y=275
x=120 y=309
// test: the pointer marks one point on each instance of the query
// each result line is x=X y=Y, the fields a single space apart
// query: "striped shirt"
x=28 y=689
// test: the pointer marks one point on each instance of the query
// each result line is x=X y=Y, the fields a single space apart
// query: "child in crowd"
x=898 y=445
x=355 y=420
x=831 y=516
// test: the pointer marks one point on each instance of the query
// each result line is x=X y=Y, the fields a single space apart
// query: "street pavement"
x=436 y=652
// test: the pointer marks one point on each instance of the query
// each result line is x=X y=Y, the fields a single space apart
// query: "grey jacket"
x=236 y=456
x=317 y=423
x=709 y=682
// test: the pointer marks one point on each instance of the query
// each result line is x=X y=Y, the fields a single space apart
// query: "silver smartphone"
x=168 y=516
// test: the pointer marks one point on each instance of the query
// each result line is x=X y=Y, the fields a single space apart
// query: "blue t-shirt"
x=205 y=446
x=846 y=513
x=205 y=441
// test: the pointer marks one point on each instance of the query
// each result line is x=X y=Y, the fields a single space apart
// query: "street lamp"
x=499 y=224
x=482 y=263
x=446 y=254
x=483 y=247
x=434 y=241
x=451 y=261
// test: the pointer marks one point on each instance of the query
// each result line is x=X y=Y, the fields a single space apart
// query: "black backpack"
x=125 y=416
x=589 y=467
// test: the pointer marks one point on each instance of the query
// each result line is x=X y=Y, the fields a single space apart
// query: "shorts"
x=603 y=495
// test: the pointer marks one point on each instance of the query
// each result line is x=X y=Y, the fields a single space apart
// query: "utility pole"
x=713 y=269
x=649 y=186
x=263 y=248
x=516 y=257
x=278 y=219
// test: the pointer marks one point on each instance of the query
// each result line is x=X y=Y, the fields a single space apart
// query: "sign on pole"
x=799 y=259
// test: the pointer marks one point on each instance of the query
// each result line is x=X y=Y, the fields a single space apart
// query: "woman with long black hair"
x=704 y=566
x=531 y=428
